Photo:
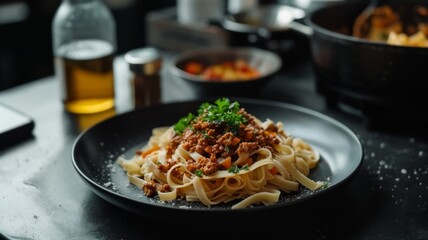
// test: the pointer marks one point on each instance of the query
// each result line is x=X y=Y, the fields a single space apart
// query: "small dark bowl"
x=266 y=62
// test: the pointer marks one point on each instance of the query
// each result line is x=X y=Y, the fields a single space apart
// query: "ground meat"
x=270 y=138
x=167 y=165
x=164 y=188
x=206 y=165
x=177 y=173
x=228 y=139
x=213 y=141
x=247 y=147
x=209 y=168
x=149 y=188
x=173 y=144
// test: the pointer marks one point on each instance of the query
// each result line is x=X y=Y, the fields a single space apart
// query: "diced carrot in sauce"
x=235 y=141
x=273 y=170
x=270 y=133
x=226 y=163
x=148 y=151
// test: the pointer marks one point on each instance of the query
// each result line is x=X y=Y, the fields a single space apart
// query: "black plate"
x=95 y=151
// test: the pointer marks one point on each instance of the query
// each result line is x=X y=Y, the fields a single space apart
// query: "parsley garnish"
x=226 y=149
x=222 y=112
x=198 y=172
x=205 y=134
x=233 y=169
x=236 y=169
x=183 y=123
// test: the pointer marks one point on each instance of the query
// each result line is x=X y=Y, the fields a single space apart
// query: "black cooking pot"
x=377 y=80
x=380 y=80
x=368 y=70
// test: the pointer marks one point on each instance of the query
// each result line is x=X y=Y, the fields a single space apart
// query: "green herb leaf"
x=205 y=134
x=222 y=112
x=236 y=169
x=226 y=148
x=233 y=169
x=183 y=123
x=198 y=172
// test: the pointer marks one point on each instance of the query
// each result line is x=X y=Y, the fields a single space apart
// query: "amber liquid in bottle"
x=86 y=72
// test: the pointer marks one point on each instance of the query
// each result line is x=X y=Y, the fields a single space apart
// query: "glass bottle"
x=84 y=47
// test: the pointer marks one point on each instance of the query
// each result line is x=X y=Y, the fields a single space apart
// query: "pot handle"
x=301 y=28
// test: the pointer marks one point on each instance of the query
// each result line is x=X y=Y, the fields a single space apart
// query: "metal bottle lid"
x=146 y=61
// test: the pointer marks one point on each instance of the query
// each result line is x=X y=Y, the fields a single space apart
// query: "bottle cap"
x=146 y=61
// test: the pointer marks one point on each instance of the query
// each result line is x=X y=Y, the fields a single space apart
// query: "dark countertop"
x=42 y=196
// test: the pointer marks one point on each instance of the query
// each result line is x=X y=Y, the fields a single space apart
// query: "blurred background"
x=25 y=34
x=26 y=41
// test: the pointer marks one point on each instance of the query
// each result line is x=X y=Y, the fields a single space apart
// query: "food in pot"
x=236 y=70
x=389 y=26
x=417 y=40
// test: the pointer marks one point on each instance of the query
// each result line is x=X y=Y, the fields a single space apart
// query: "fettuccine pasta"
x=221 y=155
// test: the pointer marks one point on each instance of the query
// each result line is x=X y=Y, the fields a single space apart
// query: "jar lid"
x=144 y=60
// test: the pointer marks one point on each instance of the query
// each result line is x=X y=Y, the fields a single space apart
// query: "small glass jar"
x=145 y=65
